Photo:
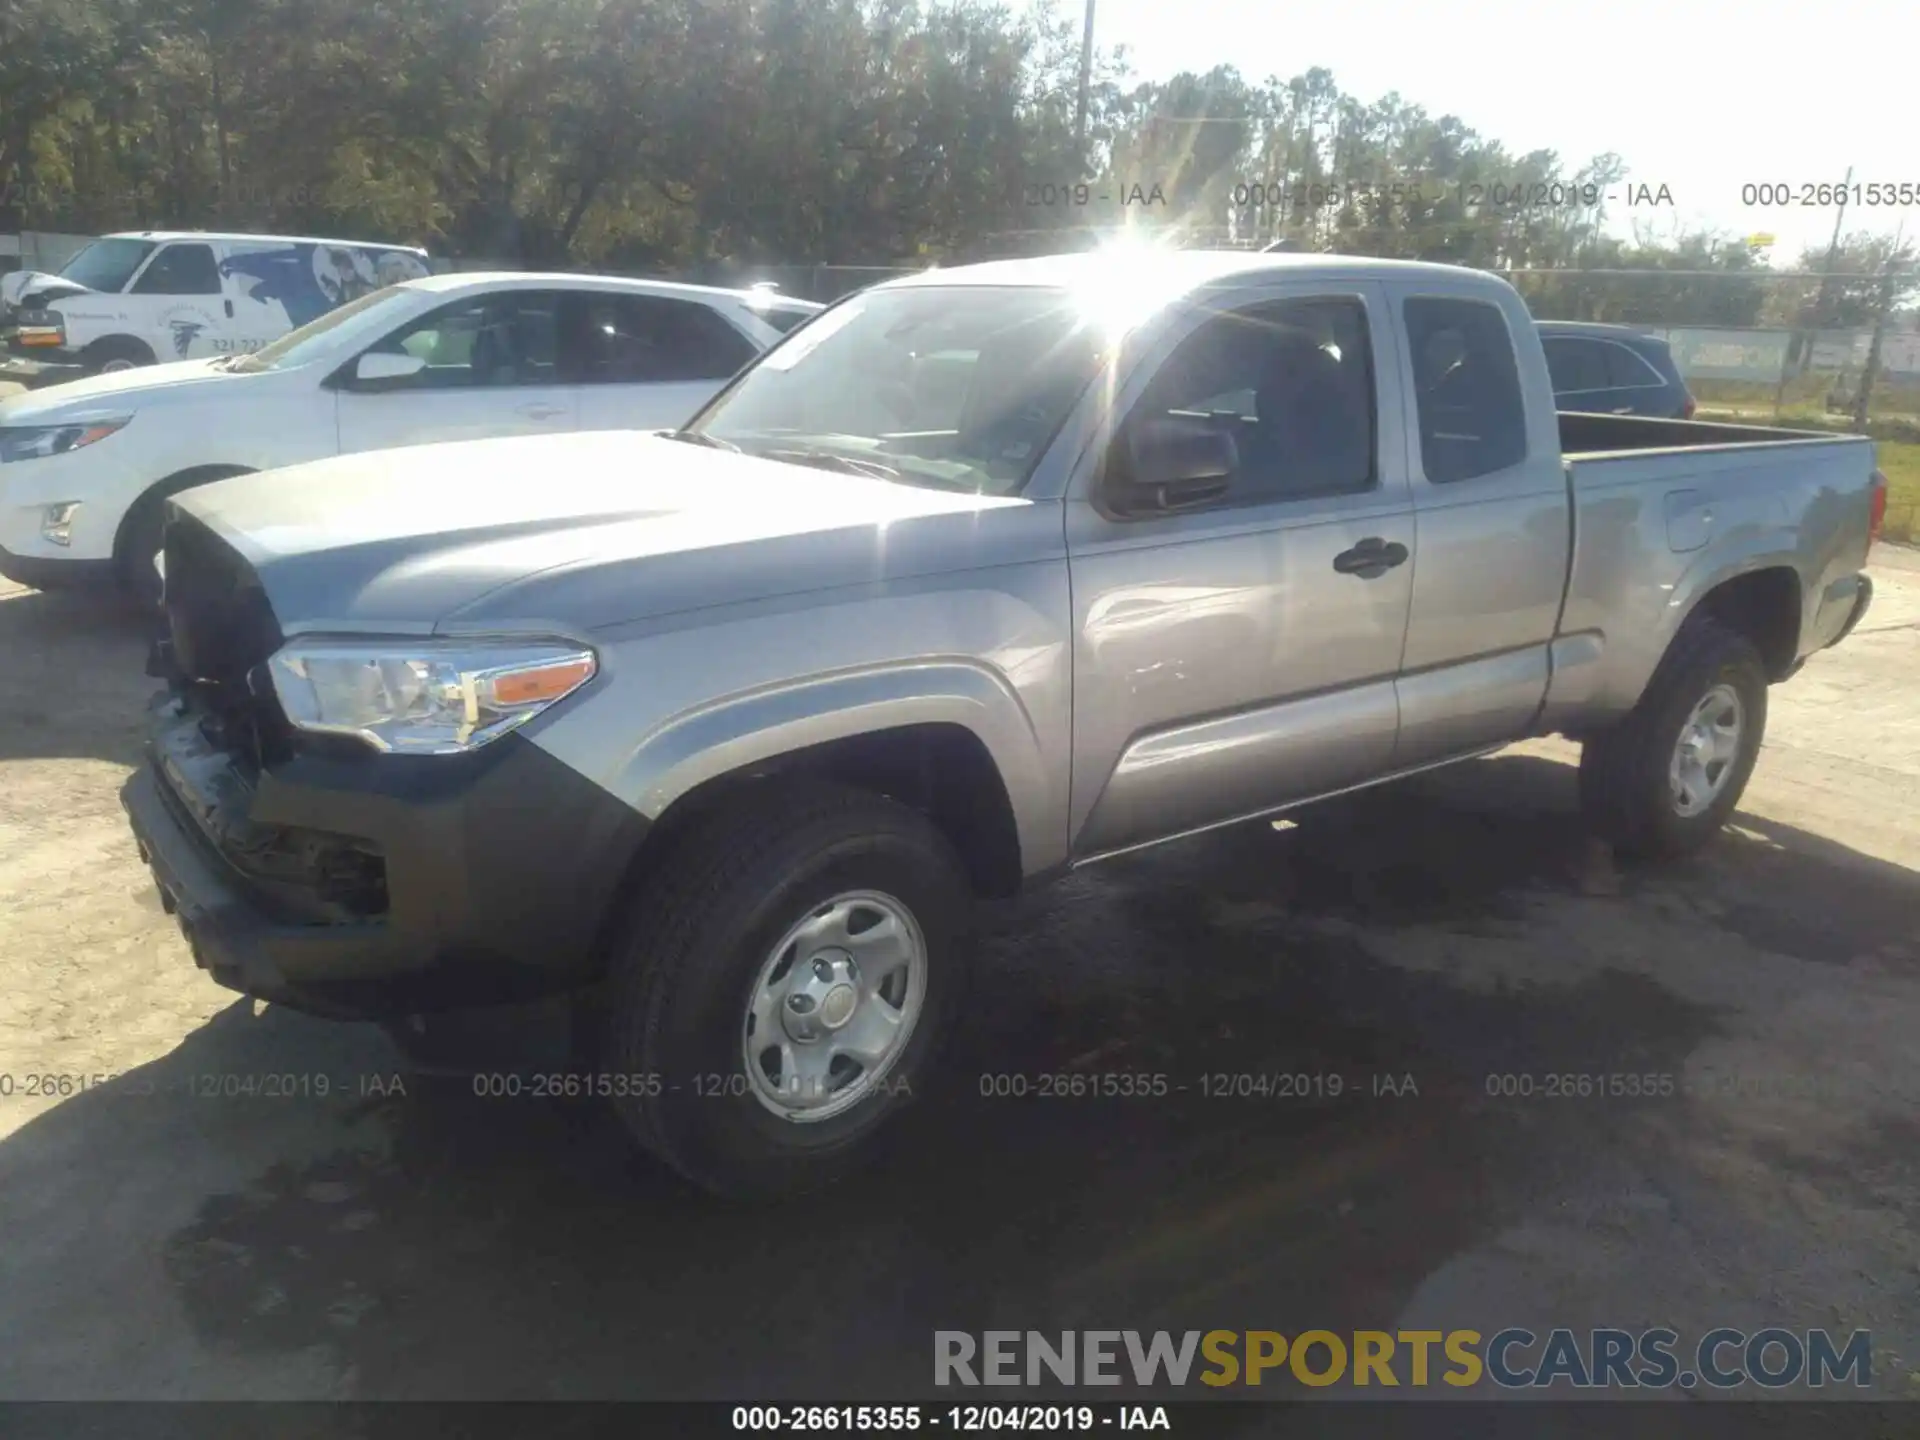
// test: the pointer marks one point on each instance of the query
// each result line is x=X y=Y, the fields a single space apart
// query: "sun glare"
x=1130 y=281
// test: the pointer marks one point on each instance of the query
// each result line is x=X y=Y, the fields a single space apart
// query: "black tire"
x=138 y=541
x=1624 y=772
x=699 y=932
x=116 y=352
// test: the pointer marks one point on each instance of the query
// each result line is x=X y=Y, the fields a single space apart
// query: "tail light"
x=1687 y=408
x=1877 y=515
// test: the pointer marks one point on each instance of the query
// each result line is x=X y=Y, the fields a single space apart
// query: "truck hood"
x=115 y=394
x=579 y=531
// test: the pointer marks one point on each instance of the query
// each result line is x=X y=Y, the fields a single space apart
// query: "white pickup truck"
x=977 y=577
x=86 y=466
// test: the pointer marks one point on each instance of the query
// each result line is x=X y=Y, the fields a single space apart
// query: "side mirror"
x=1174 y=463
x=379 y=365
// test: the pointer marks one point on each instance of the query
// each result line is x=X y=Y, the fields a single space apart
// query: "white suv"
x=86 y=466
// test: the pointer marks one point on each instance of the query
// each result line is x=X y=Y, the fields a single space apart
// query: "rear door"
x=1634 y=386
x=490 y=370
x=1493 y=525
x=178 y=304
x=645 y=362
x=1233 y=658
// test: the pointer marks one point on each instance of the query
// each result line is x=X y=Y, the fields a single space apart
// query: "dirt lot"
x=159 y=1242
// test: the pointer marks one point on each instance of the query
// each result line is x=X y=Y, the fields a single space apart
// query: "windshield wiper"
x=831 y=460
x=696 y=437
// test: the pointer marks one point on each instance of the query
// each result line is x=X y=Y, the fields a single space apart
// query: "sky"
x=1700 y=97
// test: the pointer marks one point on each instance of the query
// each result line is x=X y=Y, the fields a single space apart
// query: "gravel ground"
x=160 y=1242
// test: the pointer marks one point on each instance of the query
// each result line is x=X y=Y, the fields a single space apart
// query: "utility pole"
x=1862 y=402
x=1080 y=107
x=1805 y=339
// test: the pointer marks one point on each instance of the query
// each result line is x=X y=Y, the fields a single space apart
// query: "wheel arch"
x=939 y=767
x=1758 y=595
x=958 y=751
x=166 y=488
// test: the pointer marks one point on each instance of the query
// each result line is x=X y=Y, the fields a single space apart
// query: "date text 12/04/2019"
x=958 y=1418
x=203 y=1085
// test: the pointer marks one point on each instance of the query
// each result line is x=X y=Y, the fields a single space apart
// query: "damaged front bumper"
x=378 y=886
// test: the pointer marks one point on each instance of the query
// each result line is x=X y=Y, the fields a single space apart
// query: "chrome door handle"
x=1624 y=410
x=542 y=412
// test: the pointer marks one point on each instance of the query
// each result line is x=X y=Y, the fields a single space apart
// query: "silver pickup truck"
x=979 y=576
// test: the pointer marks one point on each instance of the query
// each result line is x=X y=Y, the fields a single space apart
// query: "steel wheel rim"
x=1706 y=751
x=833 y=1006
x=114 y=367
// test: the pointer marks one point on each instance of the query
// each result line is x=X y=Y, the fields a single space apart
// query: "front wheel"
x=1664 y=781
x=784 y=986
x=115 y=354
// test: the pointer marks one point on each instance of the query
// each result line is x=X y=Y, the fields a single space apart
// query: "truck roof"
x=165 y=235
x=1175 y=272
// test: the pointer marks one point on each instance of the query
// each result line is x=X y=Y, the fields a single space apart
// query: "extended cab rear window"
x=1473 y=420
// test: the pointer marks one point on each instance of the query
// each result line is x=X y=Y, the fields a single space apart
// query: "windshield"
x=106 y=265
x=316 y=336
x=956 y=387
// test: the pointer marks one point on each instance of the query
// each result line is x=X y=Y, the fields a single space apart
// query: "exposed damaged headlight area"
x=305 y=875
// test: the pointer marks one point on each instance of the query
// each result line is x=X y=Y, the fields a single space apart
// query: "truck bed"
x=1584 y=436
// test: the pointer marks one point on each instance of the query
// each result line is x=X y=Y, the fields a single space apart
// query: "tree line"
x=694 y=135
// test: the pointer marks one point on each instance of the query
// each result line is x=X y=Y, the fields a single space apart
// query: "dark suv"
x=1613 y=370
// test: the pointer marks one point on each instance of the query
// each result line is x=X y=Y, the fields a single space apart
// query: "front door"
x=1237 y=657
x=179 y=303
x=490 y=371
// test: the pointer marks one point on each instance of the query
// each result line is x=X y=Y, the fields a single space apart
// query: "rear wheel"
x=784 y=986
x=1664 y=780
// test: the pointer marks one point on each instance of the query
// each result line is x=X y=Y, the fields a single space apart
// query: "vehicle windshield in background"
x=957 y=387
x=297 y=347
x=106 y=265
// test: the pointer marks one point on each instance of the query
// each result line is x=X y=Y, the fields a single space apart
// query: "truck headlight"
x=428 y=697
x=37 y=442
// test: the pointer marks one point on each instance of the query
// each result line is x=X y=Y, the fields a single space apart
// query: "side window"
x=641 y=339
x=497 y=340
x=1473 y=420
x=1291 y=381
x=1627 y=371
x=180 y=269
x=1575 y=365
